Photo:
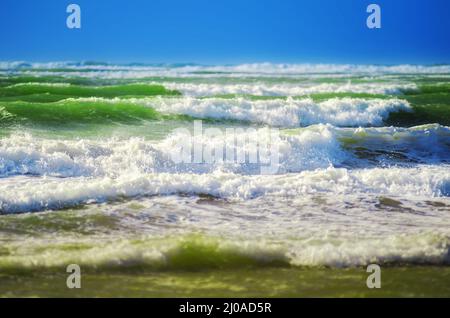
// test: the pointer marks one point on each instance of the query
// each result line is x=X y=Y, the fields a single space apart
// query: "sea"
x=91 y=174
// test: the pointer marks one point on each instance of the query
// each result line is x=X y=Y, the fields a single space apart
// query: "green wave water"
x=58 y=110
x=72 y=111
x=85 y=91
x=431 y=104
x=195 y=267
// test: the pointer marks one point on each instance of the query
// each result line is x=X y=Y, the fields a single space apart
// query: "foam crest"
x=208 y=252
x=18 y=194
x=283 y=89
x=286 y=113
x=293 y=150
x=21 y=154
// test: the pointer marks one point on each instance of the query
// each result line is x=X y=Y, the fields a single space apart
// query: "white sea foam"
x=300 y=149
x=20 y=194
x=329 y=68
x=420 y=249
x=286 y=113
x=316 y=147
x=286 y=89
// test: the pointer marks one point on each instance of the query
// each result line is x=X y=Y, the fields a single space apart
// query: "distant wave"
x=65 y=89
x=255 y=68
x=205 y=89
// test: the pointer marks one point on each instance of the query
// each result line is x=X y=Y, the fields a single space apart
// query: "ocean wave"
x=283 y=89
x=252 y=68
x=287 y=112
x=421 y=144
x=202 y=253
x=19 y=194
x=78 y=111
x=293 y=150
x=316 y=147
x=69 y=90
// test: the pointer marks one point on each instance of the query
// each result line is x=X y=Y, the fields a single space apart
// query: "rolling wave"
x=73 y=111
x=283 y=89
x=68 y=90
x=18 y=195
x=289 y=112
x=203 y=253
x=297 y=150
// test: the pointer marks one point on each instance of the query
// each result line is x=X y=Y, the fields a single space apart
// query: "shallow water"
x=242 y=282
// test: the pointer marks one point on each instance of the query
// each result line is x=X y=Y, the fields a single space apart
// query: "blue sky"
x=227 y=31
